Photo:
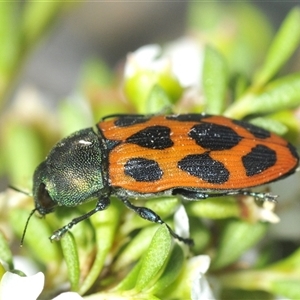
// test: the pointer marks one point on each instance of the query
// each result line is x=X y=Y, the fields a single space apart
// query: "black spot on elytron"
x=214 y=137
x=258 y=160
x=205 y=168
x=143 y=170
x=255 y=130
x=293 y=151
x=128 y=120
x=152 y=137
x=188 y=117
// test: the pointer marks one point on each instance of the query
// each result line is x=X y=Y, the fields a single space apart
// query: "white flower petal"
x=25 y=264
x=143 y=58
x=68 y=296
x=200 y=287
x=181 y=222
x=13 y=286
x=187 y=60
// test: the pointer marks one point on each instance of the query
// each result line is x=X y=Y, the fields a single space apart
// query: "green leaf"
x=2 y=271
x=239 y=30
x=171 y=272
x=270 y=124
x=129 y=281
x=200 y=234
x=147 y=268
x=288 y=119
x=245 y=295
x=215 y=77
x=284 y=44
x=135 y=248
x=5 y=252
x=138 y=88
x=215 y=208
x=70 y=253
x=37 y=18
x=287 y=288
x=280 y=278
x=158 y=100
x=10 y=41
x=21 y=167
x=154 y=259
x=278 y=95
x=37 y=237
x=105 y=224
x=237 y=236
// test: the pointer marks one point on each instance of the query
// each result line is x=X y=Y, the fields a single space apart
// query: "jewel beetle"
x=194 y=156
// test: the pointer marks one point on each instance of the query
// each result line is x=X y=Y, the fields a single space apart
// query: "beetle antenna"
x=30 y=215
x=26 y=225
x=19 y=191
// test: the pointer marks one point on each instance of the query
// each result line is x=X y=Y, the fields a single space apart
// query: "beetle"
x=194 y=156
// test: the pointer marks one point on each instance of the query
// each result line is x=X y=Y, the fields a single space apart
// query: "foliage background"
x=56 y=54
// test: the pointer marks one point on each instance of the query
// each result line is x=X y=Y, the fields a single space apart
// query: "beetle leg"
x=151 y=216
x=259 y=196
x=102 y=204
x=194 y=195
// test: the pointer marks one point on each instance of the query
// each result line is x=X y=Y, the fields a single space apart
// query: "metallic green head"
x=73 y=172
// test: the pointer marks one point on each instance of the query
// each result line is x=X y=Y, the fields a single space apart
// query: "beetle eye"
x=45 y=202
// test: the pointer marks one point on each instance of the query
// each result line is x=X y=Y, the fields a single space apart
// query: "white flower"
x=263 y=213
x=186 y=57
x=145 y=58
x=13 y=286
x=181 y=222
x=198 y=266
x=68 y=296
x=183 y=58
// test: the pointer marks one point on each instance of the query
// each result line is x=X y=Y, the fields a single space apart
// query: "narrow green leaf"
x=70 y=253
x=139 y=86
x=2 y=271
x=171 y=272
x=21 y=167
x=5 y=252
x=37 y=237
x=215 y=208
x=245 y=295
x=270 y=124
x=105 y=224
x=158 y=100
x=120 y=296
x=287 y=288
x=154 y=259
x=281 y=277
x=136 y=247
x=37 y=18
x=284 y=44
x=278 y=95
x=215 y=77
x=236 y=238
x=288 y=119
x=200 y=233
x=9 y=39
x=128 y=283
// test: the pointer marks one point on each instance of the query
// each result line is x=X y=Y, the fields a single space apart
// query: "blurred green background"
x=61 y=69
